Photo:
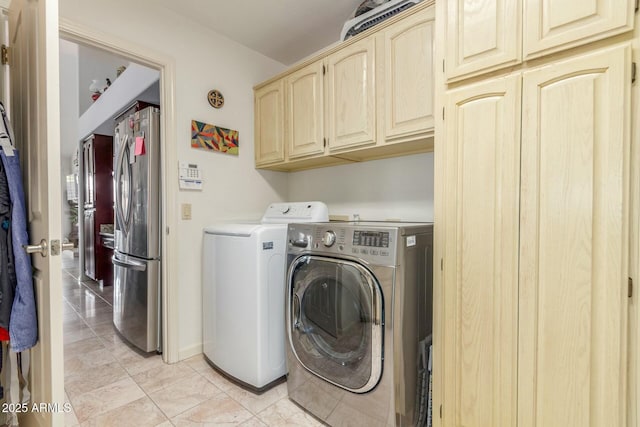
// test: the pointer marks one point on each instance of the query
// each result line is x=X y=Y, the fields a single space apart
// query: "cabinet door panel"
x=269 y=123
x=552 y=25
x=574 y=244
x=351 y=95
x=305 y=111
x=482 y=35
x=409 y=75
x=481 y=255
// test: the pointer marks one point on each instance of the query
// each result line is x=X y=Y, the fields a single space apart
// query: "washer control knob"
x=329 y=238
x=285 y=209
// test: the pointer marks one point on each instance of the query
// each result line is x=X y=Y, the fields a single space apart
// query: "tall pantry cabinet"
x=535 y=211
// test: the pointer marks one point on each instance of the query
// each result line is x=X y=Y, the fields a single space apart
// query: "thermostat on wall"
x=190 y=176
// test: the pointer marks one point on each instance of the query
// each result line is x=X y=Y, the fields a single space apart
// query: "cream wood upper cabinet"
x=304 y=108
x=574 y=242
x=486 y=35
x=351 y=95
x=553 y=25
x=269 y=123
x=482 y=35
x=480 y=288
x=371 y=97
x=409 y=75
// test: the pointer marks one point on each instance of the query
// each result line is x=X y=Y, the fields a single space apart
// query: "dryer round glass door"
x=335 y=319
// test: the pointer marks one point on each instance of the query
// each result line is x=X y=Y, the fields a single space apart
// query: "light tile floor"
x=110 y=384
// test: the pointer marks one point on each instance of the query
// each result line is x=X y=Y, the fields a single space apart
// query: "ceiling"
x=284 y=30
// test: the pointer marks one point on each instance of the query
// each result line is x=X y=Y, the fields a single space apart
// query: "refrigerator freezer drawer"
x=136 y=300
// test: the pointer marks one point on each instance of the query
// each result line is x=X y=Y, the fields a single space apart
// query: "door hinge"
x=440 y=411
x=443 y=65
x=442 y=113
x=324 y=70
x=637 y=5
x=324 y=142
x=633 y=72
x=630 y=287
x=4 y=54
x=167 y=230
x=441 y=264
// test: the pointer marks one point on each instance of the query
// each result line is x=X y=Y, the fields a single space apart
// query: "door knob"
x=57 y=247
x=42 y=248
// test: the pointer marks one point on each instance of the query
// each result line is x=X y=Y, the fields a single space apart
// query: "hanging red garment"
x=4 y=334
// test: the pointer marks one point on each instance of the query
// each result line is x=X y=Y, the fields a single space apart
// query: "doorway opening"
x=96 y=356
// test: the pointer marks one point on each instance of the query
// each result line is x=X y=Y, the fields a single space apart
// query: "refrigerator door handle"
x=138 y=266
x=118 y=204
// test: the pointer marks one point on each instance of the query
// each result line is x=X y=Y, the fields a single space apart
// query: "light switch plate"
x=186 y=211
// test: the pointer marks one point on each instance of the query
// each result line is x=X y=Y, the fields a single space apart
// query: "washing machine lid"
x=288 y=212
x=276 y=214
x=232 y=229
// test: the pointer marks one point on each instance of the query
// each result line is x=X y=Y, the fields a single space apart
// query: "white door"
x=33 y=30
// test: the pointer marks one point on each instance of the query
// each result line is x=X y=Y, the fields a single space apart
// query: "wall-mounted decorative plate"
x=215 y=98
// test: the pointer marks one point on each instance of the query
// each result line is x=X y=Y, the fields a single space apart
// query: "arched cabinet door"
x=409 y=76
x=305 y=111
x=269 y=123
x=574 y=228
x=480 y=275
x=351 y=96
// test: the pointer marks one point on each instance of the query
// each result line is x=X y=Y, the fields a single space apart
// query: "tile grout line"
x=103 y=339
x=117 y=360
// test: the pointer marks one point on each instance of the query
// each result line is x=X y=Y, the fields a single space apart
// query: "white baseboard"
x=191 y=351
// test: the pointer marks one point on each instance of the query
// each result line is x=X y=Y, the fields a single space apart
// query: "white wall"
x=400 y=188
x=68 y=120
x=204 y=61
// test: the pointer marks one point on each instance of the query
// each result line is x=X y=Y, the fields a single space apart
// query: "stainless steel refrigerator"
x=88 y=171
x=136 y=259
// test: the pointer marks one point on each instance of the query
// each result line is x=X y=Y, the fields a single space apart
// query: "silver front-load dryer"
x=359 y=307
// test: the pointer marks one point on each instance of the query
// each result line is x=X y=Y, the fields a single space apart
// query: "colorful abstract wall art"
x=210 y=137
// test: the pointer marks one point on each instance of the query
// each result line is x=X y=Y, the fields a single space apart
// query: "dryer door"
x=335 y=317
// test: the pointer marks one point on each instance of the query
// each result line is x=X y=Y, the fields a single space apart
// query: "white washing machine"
x=244 y=294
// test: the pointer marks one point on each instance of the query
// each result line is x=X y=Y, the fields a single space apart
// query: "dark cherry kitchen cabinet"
x=98 y=206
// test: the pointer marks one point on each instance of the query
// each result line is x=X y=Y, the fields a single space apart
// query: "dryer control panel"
x=376 y=239
x=375 y=245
